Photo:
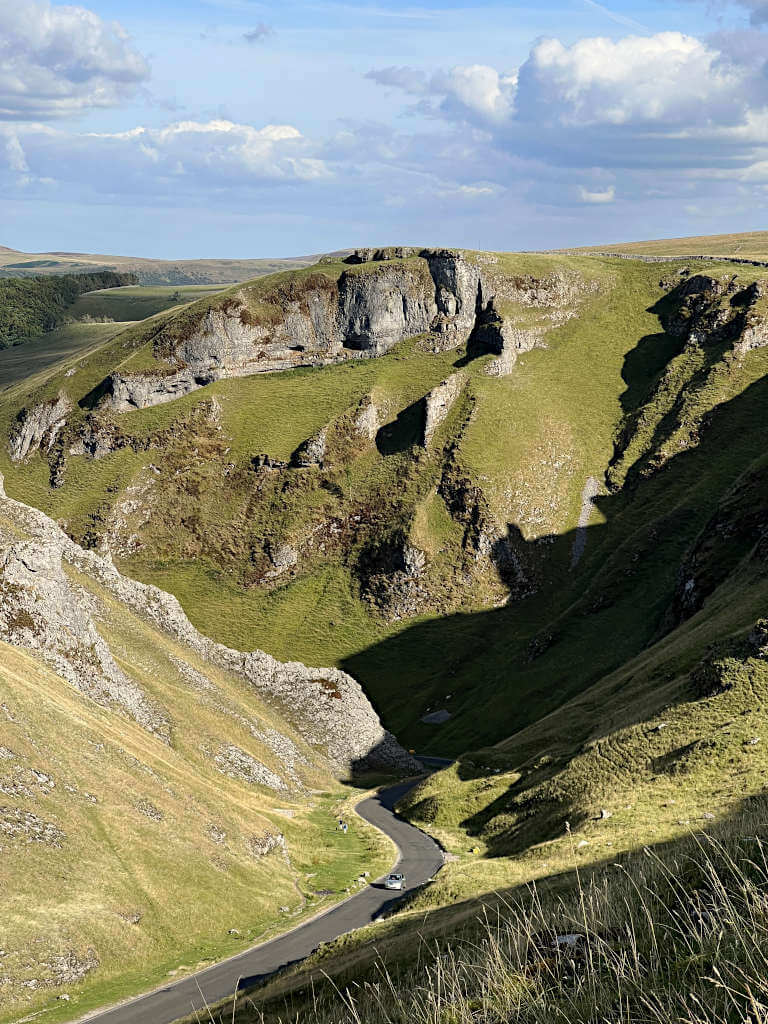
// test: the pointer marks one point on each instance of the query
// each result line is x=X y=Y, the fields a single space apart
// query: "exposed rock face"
x=283 y=558
x=556 y=297
x=42 y=610
x=237 y=764
x=38 y=427
x=367 y=420
x=321 y=321
x=311 y=452
x=711 y=311
x=140 y=391
x=381 y=307
x=438 y=403
x=393 y=580
x=495 y=334
x=458 y=296
x=483 y=537
x=715 y=323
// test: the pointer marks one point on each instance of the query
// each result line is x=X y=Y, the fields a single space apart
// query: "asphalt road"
x=420 y=859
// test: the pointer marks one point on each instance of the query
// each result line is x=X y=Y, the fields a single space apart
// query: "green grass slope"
x=586 y=613
x=597 y=402
x=127 y=859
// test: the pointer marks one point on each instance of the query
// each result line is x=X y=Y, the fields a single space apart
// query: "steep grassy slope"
x=311 y=560
x=162 y=802
x=546 y=533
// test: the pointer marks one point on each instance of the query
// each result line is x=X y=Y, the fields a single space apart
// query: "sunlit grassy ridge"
x=747 y=245
x=126 y=860
x=620 y=703
x=528 y=441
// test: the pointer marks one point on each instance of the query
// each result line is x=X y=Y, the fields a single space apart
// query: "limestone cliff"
x=381 y=299
x=45 y=608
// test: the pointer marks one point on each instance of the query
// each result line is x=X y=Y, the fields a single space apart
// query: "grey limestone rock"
x=439 y=402
x=367 y=420
x=311 y=452
x=362 y=314
x=43 y=611
x=55 y=618
x=38 y=426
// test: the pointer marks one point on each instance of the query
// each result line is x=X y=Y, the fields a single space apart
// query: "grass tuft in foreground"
x=673 y=934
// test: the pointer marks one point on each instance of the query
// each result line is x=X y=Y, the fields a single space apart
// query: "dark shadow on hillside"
x=685 y=872
x=642 y=366
x=405 y=432
x=498 y=671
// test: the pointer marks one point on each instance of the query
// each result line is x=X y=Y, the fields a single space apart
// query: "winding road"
x=420 y=859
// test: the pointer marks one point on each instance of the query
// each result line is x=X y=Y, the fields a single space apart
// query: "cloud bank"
x=58 y=61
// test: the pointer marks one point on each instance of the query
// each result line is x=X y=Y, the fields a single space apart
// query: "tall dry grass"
x=678 y=936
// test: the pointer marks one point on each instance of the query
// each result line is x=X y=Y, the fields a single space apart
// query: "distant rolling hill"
x=748 y=245
x=14 y=263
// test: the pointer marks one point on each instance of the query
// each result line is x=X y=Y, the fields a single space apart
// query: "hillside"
x=30 y=307
x=14 y=263
x=519 y=497
x=164 y=799
x=752 y=245
x=473 y=551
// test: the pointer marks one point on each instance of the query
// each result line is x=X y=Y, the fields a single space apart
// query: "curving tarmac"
x=420 y=859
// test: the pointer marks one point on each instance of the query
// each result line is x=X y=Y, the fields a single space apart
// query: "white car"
x=394 y=881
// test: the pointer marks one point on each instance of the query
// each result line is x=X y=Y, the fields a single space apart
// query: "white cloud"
x=661 y=80
x=56 y=61
x=188 y=157
x=597 y=197
x=479 y=89
x=476 y=89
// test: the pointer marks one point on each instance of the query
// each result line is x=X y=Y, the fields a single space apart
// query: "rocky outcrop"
x=366 y=420
x=38 y=427
x=483 y=537
x=312 y=321
x=503 y=338
x=393 y=579
x=438 y=403
x=124 y=392
x=503 y=327
x=311 y=452
x=715 y=323
x=43 y=611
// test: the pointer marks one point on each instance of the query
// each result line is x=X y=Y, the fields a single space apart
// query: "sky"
x=240 y=128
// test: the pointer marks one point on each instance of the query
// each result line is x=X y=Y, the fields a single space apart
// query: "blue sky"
x=240 y=128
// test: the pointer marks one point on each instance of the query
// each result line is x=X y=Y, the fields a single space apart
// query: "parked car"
x=394 y=881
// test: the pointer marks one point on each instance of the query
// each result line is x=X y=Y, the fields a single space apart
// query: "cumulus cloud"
x=57 y=61
x=636 y=101
x=664 y=80
x=477 y=89
x=187 y=157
